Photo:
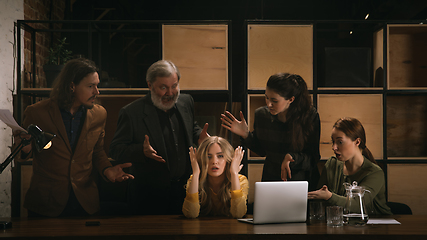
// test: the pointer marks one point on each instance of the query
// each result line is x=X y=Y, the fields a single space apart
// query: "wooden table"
x=178 y=227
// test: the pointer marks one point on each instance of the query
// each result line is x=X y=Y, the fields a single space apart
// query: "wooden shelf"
x=350 y=89
x=408 y=158
x=367 y=108
x=407 y=184
x=406 y=126
x=279 y=48
x=378 y=58
x=201 y=54
x=254 y=175
x=254 y=101
x=407 y=51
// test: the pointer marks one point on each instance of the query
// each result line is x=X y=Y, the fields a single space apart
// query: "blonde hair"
x=205 y=193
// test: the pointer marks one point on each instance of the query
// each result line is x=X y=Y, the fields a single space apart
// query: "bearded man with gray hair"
x=155 y=133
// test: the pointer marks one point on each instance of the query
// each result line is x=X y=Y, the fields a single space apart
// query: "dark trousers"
x=72 y=209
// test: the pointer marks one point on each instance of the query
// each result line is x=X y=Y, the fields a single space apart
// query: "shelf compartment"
x=367 y=108
x=254 y=101
x=406 y=126
x=208 y=112
x=279 y=48
x=407 y=184
x=378 y=58
x=407 y=48
x=254 y=175
x=201 y=54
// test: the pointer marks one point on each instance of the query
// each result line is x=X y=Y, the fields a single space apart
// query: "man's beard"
x=157 y=101
x=90 y=106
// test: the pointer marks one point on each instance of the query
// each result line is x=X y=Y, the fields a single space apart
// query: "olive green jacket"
x=370 y=176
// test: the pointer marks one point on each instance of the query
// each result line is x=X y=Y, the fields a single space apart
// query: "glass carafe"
x=355 y=208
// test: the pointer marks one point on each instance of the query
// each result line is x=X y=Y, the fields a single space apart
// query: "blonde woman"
x=216 y=188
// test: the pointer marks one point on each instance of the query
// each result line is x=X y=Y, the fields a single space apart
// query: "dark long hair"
x=353 y=129
x=299 y=114
x=73 y=72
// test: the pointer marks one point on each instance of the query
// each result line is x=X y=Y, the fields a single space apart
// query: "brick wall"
x=40 y=10
x=10 y=11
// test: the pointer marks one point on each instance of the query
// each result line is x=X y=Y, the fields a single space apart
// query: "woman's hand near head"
x=194 y=164
x=323 y=194
x=229 y=122
x=235 y=168
x=235 y=165
x=194 y=184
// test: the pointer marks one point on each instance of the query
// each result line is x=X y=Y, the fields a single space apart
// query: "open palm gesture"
x=236 y=165
x=194 y=164
x=229 y=122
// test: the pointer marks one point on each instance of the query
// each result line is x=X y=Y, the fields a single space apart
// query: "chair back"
x=399 y=208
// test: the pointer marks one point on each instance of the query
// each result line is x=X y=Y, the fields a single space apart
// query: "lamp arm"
x=12 y=155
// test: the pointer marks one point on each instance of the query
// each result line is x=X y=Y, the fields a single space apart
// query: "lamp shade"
x=41 y=139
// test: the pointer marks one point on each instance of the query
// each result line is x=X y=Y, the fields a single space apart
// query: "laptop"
x=279 y=202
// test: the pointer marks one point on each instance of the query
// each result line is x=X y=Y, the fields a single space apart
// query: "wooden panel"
x=367 y=108
x=254 y=175
x=26 y=174
x=407 y=51
x=113 y=104
x=209 y=112
x=378 y=59
x=254 y=101
x=279 y=48
x=407 y=183
x=201 y=54
x=406 y=126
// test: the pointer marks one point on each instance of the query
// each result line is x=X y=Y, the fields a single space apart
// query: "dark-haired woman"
x=352 y=162
x=286 y=131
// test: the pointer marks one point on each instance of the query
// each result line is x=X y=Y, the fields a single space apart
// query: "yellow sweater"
x=191 y=206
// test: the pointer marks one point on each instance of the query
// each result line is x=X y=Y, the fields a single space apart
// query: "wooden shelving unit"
x=391 y=104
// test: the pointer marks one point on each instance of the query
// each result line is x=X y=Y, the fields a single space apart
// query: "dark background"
x=126 y=56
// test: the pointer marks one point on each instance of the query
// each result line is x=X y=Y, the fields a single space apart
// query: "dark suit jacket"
x=136 y=120
x=57 y=170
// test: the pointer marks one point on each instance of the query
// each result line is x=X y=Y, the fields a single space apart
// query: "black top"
x=174 y=135
x=272 y=138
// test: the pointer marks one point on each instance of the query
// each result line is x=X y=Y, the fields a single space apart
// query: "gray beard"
x=157 y=101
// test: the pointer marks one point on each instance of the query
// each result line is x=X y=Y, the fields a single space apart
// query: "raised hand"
x=150 y=152
x=204 y=134
x=229 y=122
x=236 y=166
x=194 y=164
x=193 y=187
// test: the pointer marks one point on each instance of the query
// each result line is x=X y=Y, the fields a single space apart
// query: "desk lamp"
x=42 y=140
